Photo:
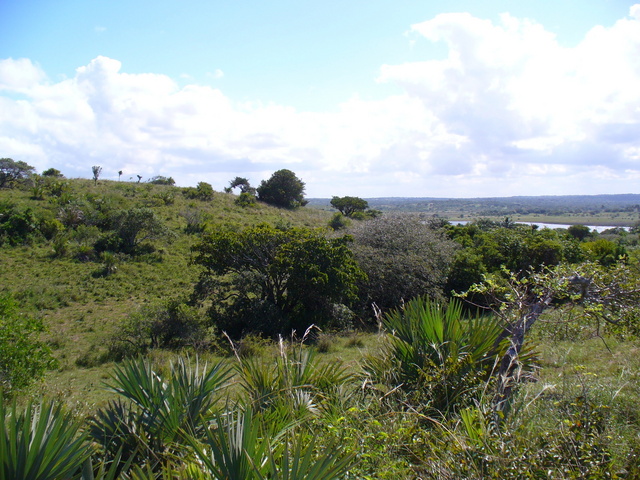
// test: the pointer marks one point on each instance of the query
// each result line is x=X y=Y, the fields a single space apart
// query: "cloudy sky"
x=369 y=98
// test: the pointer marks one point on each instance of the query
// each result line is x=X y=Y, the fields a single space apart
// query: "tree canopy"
x=349 y=205
x=402 y=257
x=272 y=280
x=283 y=189
x=13 y=172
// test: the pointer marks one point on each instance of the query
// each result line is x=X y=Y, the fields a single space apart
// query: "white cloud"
x=507 y=112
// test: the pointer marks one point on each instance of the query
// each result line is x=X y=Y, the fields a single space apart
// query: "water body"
x=597 y=228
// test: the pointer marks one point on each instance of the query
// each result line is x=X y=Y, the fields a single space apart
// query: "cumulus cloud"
x=508 y=111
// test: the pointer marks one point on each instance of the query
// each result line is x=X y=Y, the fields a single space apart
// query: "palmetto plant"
x=156 y=413
x=435 y=354
x=242 y=445
x=295 y=381
x=41 y=442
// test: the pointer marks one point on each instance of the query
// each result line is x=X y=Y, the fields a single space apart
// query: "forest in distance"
x=583 y=208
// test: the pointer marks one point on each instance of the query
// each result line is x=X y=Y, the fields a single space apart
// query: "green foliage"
x=295 y=383
x=170 y=324
x=159 y=412
x=263 y=279
x=52 y=172
x=347 y=206
x=24 y=357
x=160 y=180
x=246 y=446
x=243 y=184
x=604 y=251
x=338 y=221
x=283 y=190
x=245 y=199
x=41 y=442
x=134 y=226
x=13 y=173
x=203 y=191
x=402 y=258
x=17 y=226
x=579 y=232
x=437 y=356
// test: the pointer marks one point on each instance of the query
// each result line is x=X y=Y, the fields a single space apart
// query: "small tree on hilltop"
x=349 y=205
x=243 y=184
x=283 y=189
x=97 y=170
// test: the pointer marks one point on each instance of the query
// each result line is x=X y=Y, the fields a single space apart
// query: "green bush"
x=24 y=357
x=435 y=355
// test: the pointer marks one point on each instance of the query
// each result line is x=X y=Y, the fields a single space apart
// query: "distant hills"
x=497 y=206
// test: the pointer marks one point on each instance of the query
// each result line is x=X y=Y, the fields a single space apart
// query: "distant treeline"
x=544 y=205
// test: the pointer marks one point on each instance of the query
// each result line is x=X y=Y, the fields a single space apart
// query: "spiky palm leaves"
x=295 y=382
x=435 y=355
x=41 y=442
x=159 y=413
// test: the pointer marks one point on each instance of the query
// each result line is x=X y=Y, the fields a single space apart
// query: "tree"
x=134 y=226
x=243 y=183
x=97 y=170
x=402 y=257
x=12 y=172
x=119 y=174
x=52 y=172
x=24 y=358
x=349 y=205
x=579 y=232
x=203 y=191
x=160 y=180
x=283 y=189
x=269 y=280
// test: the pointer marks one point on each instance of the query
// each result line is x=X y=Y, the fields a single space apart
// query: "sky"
x=368 y=98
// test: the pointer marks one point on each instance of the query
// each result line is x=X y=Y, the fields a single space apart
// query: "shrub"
x=24 y=358
x=435 y=355
x=402 y=257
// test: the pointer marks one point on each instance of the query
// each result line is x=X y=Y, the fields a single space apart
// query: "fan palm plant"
x=157 y=413
x=294 y=381
x=242 y=445
x=435 y=354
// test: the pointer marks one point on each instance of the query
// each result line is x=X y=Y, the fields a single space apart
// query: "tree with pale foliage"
x=97 y=170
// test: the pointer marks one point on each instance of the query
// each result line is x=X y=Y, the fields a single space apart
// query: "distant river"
x=597 y=228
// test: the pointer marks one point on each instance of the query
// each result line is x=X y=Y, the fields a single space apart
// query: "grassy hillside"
x=80 y=304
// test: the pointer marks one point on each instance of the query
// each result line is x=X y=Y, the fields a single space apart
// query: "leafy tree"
x=283 y=189
x=604 y=251
x=17 y=226
x=243 y=184
x=579 y=232
x=160 y=180
x=402 y=257
x=133 y=226
x=203 y=191
x=97 y=170
x=52 y=172
x=12 y=172
x=119 y=174
x=264 y=279
x=24 y=358
x=347 y=206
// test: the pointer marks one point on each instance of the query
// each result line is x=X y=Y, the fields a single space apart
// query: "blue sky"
x=368 y=98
